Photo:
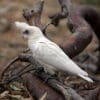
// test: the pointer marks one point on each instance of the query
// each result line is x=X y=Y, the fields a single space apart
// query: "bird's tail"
x=86 y=77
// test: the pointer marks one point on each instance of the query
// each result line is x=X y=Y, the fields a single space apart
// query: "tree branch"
x=75 y=44
x=42 y=75
x=33 y=15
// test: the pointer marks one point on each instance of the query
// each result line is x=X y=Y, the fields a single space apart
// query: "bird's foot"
x=60 y=77
x=49 y=77
x=40 y=70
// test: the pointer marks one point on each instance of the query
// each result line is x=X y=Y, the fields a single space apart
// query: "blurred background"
x=11 y=43
x=92 y=2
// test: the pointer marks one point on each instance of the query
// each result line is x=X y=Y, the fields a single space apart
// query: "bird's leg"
x=49 y=77
x=40 y=70
x=60 y=76
x=45 y=76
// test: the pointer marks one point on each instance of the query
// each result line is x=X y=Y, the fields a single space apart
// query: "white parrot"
x=48 y=52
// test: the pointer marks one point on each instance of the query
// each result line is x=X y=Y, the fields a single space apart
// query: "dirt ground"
x=11 y=43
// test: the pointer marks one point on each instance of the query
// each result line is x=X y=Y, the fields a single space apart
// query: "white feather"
x=50 y=54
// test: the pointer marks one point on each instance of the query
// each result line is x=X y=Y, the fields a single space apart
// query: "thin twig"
x=18 y=75
x=9 y=64
x=12 y=62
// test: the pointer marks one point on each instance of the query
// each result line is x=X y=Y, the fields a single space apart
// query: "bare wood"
x=14 y=60
x=79 y=27
x=56 y=86
x=33 y=15
x=66 y=92
x=37 y=88
x=90 y=14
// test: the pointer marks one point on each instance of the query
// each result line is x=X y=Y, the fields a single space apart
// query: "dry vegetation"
x=12 y=44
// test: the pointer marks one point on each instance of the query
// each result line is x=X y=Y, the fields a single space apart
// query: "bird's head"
x=28 y=31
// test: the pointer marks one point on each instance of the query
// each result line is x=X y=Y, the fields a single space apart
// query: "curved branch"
x=75 y=44
x=92 y=16
x=82 y=36
x=33 y=15
x=89 y=13
x=38 y=87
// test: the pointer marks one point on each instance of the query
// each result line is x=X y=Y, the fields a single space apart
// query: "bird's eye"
x=26 y=32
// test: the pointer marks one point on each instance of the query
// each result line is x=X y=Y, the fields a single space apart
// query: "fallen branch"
x=14 y=60
x=37 y=88
x=72 y=46
x=42 y=75
x=67 y=92
x=33 y=15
